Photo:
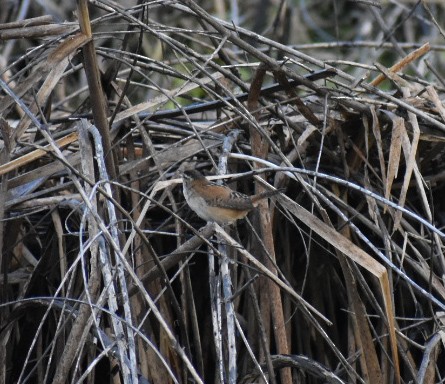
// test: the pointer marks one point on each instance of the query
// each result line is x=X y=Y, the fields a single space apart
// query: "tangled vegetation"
x=108 y=276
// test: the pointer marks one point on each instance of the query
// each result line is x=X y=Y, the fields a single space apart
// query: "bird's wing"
x=223 y=197
x=234 y=200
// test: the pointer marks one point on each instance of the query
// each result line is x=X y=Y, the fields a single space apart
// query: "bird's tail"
x=264 y=195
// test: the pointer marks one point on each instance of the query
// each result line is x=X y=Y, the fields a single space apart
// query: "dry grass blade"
x=105 y=274
x=398 y=130
x=36 y=154
x=409 y=150
x=424 y=49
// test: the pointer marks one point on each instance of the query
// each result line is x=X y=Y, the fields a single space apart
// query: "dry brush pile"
x=108 y=276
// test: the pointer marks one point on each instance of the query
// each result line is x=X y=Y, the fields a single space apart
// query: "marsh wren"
x=213 y=202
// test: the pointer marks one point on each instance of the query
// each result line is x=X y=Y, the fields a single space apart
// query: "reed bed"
x=108 y=276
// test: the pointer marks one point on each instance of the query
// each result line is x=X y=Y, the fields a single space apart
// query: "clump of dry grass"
x=107 y=275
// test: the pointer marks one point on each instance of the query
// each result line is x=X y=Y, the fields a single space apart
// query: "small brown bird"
x=213 y=202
